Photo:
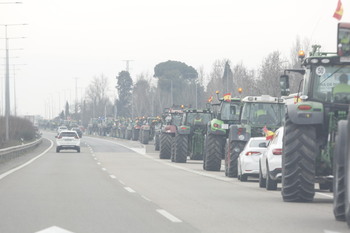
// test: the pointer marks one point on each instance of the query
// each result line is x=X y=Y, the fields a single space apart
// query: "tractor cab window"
x=263 y=113
x=230 y=111
x=331 y=83
x=176 y=120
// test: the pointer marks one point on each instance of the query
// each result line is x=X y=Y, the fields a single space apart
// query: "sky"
x=69 y=42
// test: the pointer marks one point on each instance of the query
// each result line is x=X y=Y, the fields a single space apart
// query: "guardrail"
x=9 y=153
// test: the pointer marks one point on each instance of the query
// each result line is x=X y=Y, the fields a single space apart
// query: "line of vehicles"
x=309 y=143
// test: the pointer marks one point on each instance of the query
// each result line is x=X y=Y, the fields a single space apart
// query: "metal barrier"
x=9 y=153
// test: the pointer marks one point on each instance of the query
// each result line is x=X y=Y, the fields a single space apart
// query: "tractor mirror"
x=284 y=85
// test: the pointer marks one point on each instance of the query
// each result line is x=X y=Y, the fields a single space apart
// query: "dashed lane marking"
x=130 y=190
x=168 y=215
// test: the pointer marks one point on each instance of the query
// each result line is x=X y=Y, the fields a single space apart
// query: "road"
x=114 y=186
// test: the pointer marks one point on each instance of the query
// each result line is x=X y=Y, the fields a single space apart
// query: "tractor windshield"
x=176 y=119
x=263 y=113
x=331 y=83
x=230 y=111
x=198 y=118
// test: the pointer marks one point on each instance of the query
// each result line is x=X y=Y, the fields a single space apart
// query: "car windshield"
x=230 y=111
x=331 y=83
x=263 y=113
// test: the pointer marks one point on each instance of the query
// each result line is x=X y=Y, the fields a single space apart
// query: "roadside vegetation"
x=20 y=131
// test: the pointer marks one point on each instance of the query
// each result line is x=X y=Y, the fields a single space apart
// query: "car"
x=67 y=140
x=60 y=128
x=270 y=162
x=248 y=160
x=77 y=129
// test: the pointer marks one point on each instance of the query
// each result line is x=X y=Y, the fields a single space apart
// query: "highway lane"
x=209 y=201
x=71 y=191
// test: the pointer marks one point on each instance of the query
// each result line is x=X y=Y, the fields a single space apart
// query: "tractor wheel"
x=205 y=151
x=346 y=174
x=214 y=152
x=197 y=142
x=145 y=137
x=135 y=134
x=156 y=142
x=298 y=162
x=165 y=146
x=233 y=149
x=128 y=134
x=181 y=148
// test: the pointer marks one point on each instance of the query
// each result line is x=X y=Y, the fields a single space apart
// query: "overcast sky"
x=68 y=39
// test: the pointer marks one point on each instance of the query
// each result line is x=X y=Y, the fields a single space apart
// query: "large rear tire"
x=165 y=146
x=214 y=152
x=156 y=142
x=145 y=137
x=298 y=162
x=233 y=149
x=181 y=148
x=347 y=177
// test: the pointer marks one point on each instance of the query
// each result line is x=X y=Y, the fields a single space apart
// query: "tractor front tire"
x=214 y=152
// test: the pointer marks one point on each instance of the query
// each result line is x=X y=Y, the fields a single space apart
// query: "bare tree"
x=97 y=96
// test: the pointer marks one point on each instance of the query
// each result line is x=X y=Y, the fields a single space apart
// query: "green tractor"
x=189 y=137
x=218 y=131
x=257 y=112
x=315 y=133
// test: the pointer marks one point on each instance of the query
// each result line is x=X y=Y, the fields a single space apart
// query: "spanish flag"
x=227 y=97
x=338 y=14
x=269 y=134
x=210 y=99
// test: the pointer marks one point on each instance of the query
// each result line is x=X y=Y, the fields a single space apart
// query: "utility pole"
x=76 y=96
x=7 y=82
x=127 y=62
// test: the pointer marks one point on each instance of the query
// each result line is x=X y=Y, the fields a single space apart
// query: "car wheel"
x=57 y=150
x=78 y=150
x=262 y=180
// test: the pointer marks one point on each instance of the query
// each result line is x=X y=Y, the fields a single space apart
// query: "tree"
x=142 y=100
x=269 y=73
x=124 y=87
x=97 y=95
x=174 y=78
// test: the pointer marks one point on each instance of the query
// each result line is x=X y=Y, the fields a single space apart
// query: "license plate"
x=224 y=126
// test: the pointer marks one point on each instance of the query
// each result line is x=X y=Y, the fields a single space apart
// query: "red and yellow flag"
x=269 y=134
x=227 y=97
x=338 y=14
x=210 y=99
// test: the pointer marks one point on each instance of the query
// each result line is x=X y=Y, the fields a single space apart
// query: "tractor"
x=189 y=137
x=172 y=119
x=218 y=130
x=257 y=112
x=315 y=143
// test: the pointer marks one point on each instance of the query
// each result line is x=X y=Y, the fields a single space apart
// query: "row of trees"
x=176 y=83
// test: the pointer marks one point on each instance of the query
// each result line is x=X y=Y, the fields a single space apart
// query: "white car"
x=60 y=128
x=67 y=140
x=248 y=160
x=271 y=163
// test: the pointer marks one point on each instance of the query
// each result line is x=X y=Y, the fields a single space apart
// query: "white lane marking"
x=104 y=169
x=130 y=190
x=168 y=215
x=27 y=163
x=147 y=199
x=122 y=182
x=98 y=163
x=95 y=158
x=328 y=231
x=54 y=229
x=113 y=177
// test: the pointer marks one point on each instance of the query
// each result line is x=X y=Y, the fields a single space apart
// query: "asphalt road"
x=111 y=188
